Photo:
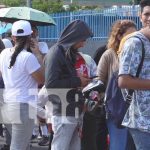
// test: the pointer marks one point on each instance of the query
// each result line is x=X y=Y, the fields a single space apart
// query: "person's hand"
x=34 y=46
x=84 y=81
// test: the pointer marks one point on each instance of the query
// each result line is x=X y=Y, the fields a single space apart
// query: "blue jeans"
x=141 y=139
x=118 y=137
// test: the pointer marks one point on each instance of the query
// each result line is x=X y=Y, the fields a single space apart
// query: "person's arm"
x=129 y=61
x=34 y=69
x=102 y=69
x=36 y=51
x=128 y=82
x=38 y=76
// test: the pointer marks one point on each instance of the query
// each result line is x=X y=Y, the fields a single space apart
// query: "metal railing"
x=100 y=1
x=100 y=22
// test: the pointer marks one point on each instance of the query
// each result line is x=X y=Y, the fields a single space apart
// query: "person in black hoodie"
x=63 y=82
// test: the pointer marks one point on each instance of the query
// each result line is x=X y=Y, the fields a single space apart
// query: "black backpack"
x=115 y=104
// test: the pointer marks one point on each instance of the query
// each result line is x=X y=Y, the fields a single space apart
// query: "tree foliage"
x=48 y=6
x=138 y=1
x=13 y=3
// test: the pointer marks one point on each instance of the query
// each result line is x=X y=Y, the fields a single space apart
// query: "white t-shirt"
x=18 y=80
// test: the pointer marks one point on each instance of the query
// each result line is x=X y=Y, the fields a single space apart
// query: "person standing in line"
x=108 y=64
x=100 y=125
x=7 y=43
x=61 y=74
x=43 y=49
x=21 y=72
x=137 y=118
x=1 y=48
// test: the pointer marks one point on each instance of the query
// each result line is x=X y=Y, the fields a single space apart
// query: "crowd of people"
x=42 y=87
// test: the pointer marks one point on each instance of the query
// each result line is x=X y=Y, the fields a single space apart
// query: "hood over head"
x=75 y=32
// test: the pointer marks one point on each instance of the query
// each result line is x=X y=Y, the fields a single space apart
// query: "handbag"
x=115 y=104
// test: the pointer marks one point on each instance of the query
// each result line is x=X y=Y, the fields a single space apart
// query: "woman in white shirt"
x=21 y=72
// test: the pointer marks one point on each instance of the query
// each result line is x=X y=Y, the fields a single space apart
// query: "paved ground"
x=33 y=147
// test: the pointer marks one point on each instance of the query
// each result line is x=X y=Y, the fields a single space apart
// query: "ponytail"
x=19 y=46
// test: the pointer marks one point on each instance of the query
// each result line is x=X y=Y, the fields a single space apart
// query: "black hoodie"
x=59 y=61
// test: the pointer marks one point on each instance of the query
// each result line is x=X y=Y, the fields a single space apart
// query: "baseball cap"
x=21 y=28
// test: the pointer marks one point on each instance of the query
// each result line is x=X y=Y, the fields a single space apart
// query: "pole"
x=133 y=2
x=29 y=3
x=71 y=18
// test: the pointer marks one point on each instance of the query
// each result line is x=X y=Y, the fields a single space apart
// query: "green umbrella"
x=34 y=16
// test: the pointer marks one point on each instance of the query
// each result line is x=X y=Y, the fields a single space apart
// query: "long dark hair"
x=19 y=46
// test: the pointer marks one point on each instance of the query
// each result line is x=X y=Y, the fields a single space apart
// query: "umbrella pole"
x=29 y=3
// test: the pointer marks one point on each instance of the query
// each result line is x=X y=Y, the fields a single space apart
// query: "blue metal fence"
x=99 y=21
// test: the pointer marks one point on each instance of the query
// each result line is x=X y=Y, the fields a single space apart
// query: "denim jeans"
x=118 y=137
x=22 y=126
x=141 y=139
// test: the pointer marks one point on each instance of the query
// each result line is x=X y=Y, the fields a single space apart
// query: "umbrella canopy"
x=4 y=27
x=34 y=16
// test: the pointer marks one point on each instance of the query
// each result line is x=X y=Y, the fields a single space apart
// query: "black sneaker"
x=34 y=139
x=5 y=147
x=44 y=141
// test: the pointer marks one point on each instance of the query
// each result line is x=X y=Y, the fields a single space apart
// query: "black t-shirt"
x=98 y=53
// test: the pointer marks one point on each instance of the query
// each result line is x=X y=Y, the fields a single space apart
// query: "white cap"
x=21 y=28
x=7 y=43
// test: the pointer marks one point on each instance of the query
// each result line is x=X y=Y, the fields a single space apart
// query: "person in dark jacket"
x=63 y=82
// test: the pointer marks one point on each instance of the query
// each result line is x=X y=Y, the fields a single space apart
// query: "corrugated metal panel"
x=99 y=21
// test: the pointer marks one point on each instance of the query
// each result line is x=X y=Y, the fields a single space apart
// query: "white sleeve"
x=43 y=47
x=32 y=64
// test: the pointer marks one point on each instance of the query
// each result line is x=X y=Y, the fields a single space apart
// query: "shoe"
x=5 y=147
x=39 y=137
x=44 y=141
x=34 y=139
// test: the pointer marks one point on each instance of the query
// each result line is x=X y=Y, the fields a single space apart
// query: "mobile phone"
x=93 y=77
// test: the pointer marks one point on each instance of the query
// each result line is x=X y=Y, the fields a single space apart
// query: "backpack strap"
x=130 y=92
